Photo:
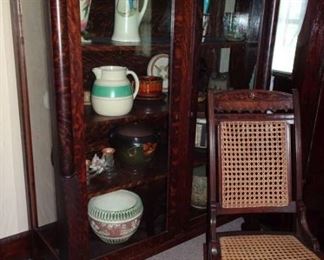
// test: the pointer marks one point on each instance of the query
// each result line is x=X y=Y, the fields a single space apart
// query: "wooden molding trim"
x=19 y=49
x=18 y=246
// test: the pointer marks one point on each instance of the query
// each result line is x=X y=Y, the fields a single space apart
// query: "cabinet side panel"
x=70 y=166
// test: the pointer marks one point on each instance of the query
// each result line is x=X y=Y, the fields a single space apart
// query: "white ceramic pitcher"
x=112 y=93
x=127 y=20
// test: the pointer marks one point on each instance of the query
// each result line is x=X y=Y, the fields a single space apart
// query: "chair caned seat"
x=264 y=247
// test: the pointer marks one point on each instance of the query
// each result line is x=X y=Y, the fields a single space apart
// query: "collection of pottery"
x=114 y=217
x=112 y=94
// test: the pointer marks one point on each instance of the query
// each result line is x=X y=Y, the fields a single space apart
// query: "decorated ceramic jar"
x=135 y=144
x=199 y=188
x=84 y=17
x=114 y=217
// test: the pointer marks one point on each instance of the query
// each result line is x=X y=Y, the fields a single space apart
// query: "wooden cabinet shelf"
x=98 y=128
x=197 y=213
x=223 y=43
x=127 y=179
x=105 y=44
x=50 y=237
x=99 y=249
x=141 y=110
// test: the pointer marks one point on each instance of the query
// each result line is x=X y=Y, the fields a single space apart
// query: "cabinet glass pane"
x=229 y=44
x=228 y=56
x=118 y=35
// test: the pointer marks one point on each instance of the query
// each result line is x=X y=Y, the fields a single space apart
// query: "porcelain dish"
x=159 y=66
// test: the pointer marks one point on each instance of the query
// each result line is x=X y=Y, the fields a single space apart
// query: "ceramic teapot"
x=127 y=20
x=112 y=93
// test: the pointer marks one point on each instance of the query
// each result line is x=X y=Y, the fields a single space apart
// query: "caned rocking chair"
x=255 y=167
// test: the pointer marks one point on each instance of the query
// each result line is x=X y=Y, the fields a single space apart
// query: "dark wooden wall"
x=309 y=79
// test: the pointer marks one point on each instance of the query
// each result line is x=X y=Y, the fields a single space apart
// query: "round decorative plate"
x=159 y=66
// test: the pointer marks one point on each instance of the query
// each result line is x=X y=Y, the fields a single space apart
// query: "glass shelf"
x=99 y=249
x=127 y=178
x=223 y=43
x=105 y=44
x=98 y=128
x=141 y=110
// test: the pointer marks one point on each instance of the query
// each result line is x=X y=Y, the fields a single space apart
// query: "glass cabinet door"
x=230 y=42
x=132 y=38
x=233 y=53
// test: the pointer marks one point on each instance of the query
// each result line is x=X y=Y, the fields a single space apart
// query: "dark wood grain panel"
x=308 y=77
x=67 y=66
x=73 y=221
x=16 y=247
x=254 y=100
x=184 y=74
x=62 y=94
x=69 y=145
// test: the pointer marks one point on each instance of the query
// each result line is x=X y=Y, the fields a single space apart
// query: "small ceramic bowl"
x=150 y=86
x=115 y=216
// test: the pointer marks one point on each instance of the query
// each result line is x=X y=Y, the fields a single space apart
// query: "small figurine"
x=109 y=162
x=105 y=164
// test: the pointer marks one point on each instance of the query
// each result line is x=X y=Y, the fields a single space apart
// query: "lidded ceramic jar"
x=135 y=144
x=150 y=86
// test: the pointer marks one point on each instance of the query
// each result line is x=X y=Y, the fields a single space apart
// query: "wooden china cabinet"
x=168 y=27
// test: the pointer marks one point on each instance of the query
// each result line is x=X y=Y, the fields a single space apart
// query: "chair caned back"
x=250 y=150
x=254 y=164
